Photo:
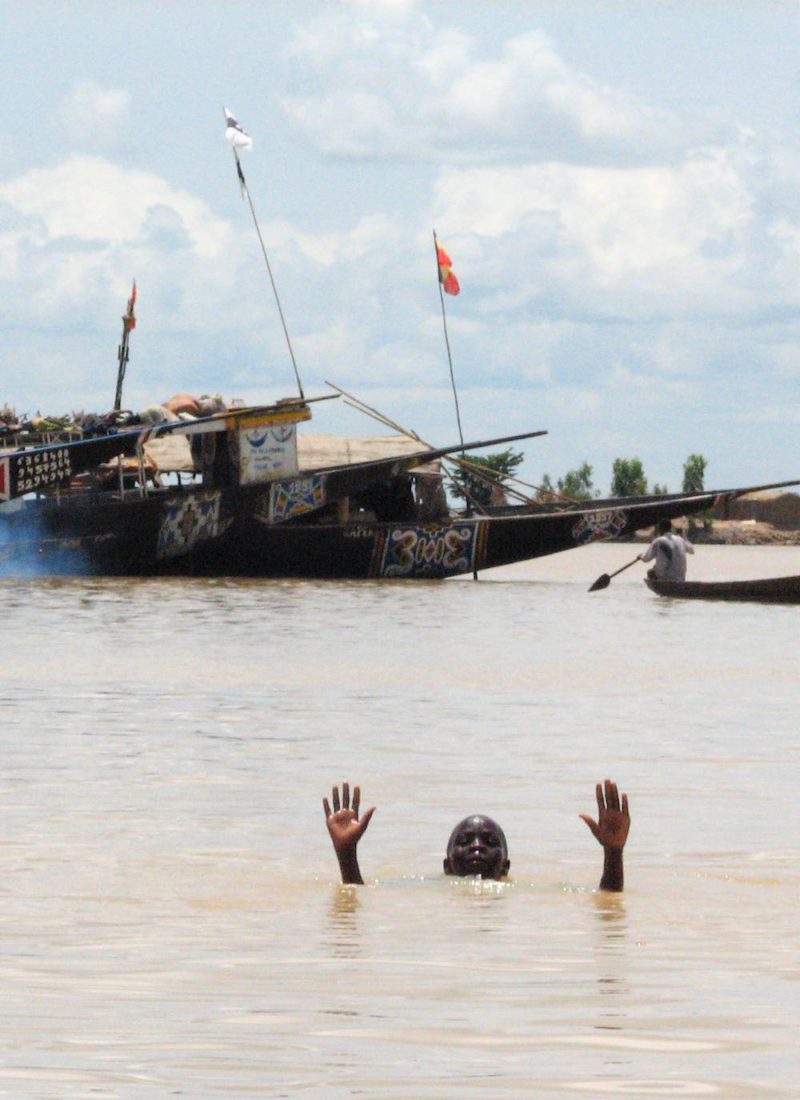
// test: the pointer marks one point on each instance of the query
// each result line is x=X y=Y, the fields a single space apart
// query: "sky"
x=616 y=182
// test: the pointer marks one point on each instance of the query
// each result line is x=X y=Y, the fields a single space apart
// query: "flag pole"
x=123 y=352
x=246 y=192
x=447 y=338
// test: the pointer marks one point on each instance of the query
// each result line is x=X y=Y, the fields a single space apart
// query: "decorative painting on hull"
x=599 y=525
x=188 y=522
x=426 y=551
x=295 y=497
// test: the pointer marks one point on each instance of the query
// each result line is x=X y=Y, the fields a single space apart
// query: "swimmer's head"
x=477 y=846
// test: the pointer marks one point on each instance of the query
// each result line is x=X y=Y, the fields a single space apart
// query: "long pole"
x=123 y=352
x=246 y=192
x=447 y=338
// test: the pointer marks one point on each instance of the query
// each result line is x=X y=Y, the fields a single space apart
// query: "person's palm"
x=344 y=824
x=613 y=820
x=346 y=829
x=612 y=829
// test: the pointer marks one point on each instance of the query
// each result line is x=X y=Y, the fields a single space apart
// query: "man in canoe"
x=669 y=550
x=477 y=845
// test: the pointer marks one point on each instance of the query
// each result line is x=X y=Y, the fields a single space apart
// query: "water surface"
x=171 y=923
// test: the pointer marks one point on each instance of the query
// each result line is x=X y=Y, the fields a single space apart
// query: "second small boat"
x=765 y=590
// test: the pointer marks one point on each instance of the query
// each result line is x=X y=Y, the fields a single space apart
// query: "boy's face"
x=477 y=846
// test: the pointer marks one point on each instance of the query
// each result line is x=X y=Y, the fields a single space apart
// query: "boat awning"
x=172 y=453
x=316 y=452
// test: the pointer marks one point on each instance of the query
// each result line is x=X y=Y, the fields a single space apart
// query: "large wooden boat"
x=255 y=507
x=764 y=590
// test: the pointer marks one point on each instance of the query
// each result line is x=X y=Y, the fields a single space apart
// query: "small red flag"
x=446 y=274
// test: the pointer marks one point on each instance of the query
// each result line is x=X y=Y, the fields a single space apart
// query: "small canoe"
x=766 y=590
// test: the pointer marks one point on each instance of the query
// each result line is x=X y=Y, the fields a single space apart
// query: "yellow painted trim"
x=261 y=419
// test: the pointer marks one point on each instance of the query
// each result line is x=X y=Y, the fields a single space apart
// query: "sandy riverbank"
x=729 y=532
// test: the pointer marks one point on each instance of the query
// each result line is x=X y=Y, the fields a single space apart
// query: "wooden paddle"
x=604 y=580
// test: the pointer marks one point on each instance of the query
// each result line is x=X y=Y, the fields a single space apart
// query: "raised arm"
x=346 y=829
x=610 y=830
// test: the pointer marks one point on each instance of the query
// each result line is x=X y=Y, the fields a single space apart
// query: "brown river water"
x=170 y=919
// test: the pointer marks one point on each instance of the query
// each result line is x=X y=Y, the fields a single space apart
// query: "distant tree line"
x=627 y=479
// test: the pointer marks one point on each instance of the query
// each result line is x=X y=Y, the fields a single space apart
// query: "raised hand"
x=613 y=819
x=346 y=829
x=610 y=830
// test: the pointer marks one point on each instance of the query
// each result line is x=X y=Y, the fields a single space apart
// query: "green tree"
x=499 y=466
x=660 y=490
x=694 y=472
x=575 y=485
x=546 y=490
x=628 y=478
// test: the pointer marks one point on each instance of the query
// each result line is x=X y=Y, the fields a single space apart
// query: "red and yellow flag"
x=446 y=274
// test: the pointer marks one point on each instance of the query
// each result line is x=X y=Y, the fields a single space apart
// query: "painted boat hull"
x=232 y=532
x=767 y=590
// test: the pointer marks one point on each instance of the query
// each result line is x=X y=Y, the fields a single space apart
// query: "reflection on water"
x=343 y=939
x=171 y=920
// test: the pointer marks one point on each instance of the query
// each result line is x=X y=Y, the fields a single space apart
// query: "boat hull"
x=767 y=590
x=233 y=532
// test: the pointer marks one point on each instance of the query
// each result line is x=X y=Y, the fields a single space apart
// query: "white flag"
x=238 y=137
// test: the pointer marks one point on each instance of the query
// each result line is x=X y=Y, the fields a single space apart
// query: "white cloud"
x=91 y=116
x=388 y=6
x=632 y=243
x=79 y=232
x=411 y=90
x=91 y=199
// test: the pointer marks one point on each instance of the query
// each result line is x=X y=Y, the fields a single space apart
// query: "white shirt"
x=670 y=552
